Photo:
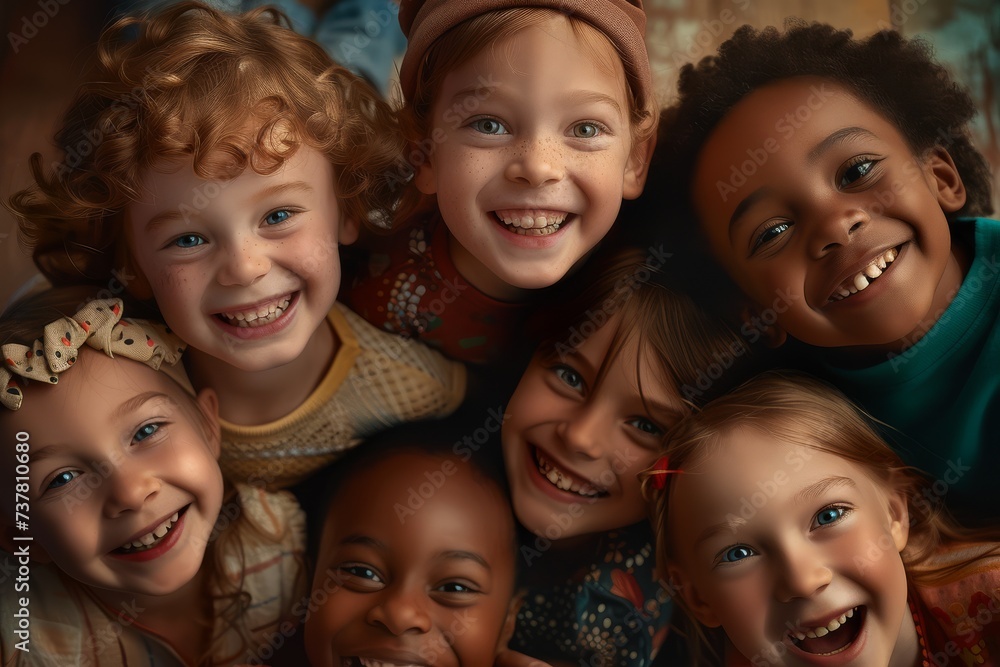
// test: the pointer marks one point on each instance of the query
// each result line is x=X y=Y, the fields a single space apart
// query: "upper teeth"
x=258 y=316
x=563 y=480
x=864 y=277
x=535 y=223
x=813 y=633
x=152 y=536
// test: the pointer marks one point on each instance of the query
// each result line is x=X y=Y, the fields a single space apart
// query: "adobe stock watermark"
x=900 y=11
x=752 y=330
x=561 y=524
x=419 y=494
x=88 y=140
x=767 y=489
x=705 y=40
x=923 y=506
x=786 y=126
x=981 y=277
x=595 y=318
x=453 y=116
x=30 y=25
x=369 y=27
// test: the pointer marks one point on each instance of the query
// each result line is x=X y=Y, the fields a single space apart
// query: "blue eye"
x=188 y=241
x=857 y=171
x=488 y=126
x=586 y=130
x=737 y=553
x=569 y=377
x=362 y=572
x=145 y=432
x=830 y=515
x=771 y=233
x=277 y=217
x=62 y=479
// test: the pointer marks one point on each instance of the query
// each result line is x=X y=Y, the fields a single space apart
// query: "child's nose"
x=127 y=488
x=584 y=433
x=245 y=263
x=833 y=228
x=536 y=161
x=801 y=574
x=401 y=609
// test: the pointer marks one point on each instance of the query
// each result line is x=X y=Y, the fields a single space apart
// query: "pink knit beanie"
x=622 y=21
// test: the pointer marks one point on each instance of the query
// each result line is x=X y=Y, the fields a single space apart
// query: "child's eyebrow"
x=124 y=410
x=459 y=554
x=134 y=403
x=37 y=454
x=363 y=540
x=823 y=485
x=747 y=202
x=837 y=137
x=279 y=188
x=813 y=490
x=581 y=97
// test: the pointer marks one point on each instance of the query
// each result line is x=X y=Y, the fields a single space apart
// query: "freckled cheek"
x=169 y=278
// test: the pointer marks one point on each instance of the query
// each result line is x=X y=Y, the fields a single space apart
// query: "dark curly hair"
x=898 y=77
x=229 y=92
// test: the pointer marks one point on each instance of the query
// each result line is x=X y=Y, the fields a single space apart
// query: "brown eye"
x=857 y=171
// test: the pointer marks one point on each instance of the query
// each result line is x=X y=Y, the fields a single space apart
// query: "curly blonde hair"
x=227 y=91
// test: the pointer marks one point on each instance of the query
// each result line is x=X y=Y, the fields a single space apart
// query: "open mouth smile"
x=531 y=222
x=834 y=637
x=257 y=316
x=564 y=481
x=153 y=538
x=866 y=276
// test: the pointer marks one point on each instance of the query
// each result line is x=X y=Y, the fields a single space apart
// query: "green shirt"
x=942 y=395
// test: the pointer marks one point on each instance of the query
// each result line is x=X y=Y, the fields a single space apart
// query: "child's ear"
x=10 y=545
x=899 y=518
x=753 y=321
x=348 y=231
x=208 y=403
x=637 y=168
x=944 y=179
x=694 y=603
x=426 y=179
x=510 y=621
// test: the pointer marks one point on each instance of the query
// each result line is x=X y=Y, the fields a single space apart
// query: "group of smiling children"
x=620 y=512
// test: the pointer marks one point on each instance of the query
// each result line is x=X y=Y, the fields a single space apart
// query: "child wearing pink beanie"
x=528 y=122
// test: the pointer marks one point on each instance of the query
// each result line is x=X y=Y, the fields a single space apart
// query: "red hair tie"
x=660 y=471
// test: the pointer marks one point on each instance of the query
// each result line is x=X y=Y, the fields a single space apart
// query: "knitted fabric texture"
x=376 y=381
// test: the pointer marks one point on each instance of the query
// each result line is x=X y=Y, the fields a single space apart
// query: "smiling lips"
x=259 y=315
x=152 y=538
x=563 y=480
x=531 y=222
x=863 y=278
x=832 y=638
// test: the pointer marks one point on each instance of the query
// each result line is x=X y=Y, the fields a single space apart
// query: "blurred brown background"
x=48 y=42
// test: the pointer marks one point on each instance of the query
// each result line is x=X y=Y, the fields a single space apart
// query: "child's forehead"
x=96 y=378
